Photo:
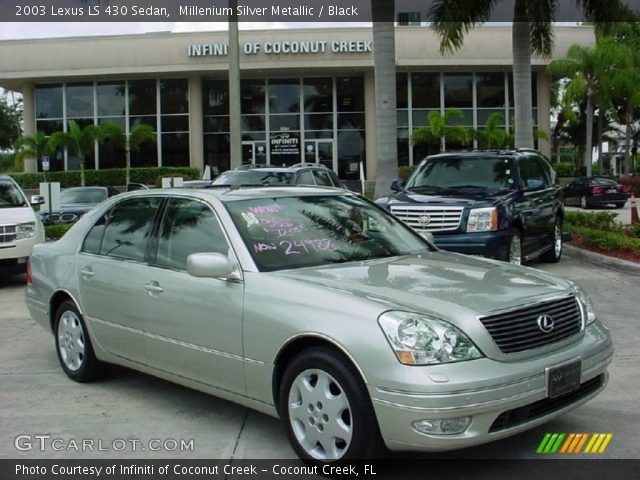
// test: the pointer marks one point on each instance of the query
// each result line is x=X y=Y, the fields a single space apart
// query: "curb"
x=625 y=266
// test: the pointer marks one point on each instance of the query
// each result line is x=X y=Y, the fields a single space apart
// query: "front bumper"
x=496 y=407
x=487 y=244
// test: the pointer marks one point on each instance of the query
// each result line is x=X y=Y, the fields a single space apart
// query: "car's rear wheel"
x=73 y=345
x=554 y=255
x=326 y=410
x=514 y=247
x=584 y=203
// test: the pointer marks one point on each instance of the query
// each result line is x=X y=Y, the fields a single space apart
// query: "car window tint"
x=550 y=172
x=93 y=240
x=531 y=169
x=129 y=228
x=305 y=178
x=603 y=182
x=335 y=179
x=322 y=178
x=188 y=226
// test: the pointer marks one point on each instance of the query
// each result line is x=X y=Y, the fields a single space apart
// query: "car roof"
x=483 y=153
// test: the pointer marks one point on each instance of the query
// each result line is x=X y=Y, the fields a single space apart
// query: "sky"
x=22 y=30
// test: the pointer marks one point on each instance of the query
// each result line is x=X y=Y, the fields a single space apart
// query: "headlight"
x=482 y=220
x=422 y=340
x=585 y=304
x=25 y=230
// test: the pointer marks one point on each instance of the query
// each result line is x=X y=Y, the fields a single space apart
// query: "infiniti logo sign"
x=545 y=323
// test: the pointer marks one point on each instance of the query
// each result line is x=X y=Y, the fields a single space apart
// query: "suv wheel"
x=326 y=410
x=514 y=247
x=553 y=255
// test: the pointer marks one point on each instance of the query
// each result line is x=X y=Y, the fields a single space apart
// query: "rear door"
x=537 y=202
x=111 y=272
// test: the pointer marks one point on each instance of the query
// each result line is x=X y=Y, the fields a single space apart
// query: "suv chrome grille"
x=429 y=219
x=7 y=233
x=518 y=329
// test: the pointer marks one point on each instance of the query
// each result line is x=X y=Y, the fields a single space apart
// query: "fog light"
x=442 y=426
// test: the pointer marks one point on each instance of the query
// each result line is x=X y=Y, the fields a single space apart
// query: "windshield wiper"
x=464 y=187
x=420 y=188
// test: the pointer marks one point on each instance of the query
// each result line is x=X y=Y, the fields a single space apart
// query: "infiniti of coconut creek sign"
x=287 y=47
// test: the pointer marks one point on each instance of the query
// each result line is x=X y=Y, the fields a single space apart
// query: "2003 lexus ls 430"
x=317 y=306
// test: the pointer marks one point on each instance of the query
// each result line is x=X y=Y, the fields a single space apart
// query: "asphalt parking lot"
x=128 y=408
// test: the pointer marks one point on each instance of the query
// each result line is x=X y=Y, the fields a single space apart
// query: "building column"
x=196 y=147
x=29 y=120
x=544 y=112
x=370 y=124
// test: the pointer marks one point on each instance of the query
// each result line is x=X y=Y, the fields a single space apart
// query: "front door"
x=254 y=152
x=320 y=151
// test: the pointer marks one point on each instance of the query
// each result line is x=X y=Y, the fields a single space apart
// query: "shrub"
x=105 y=178
x=565 y=169
x=597 y=220
x=633 y=183
x=55 y=232
x=608 y=241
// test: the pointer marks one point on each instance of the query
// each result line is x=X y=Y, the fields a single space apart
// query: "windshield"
x=254 y=177
x=83 y=195
x=10 y=196
x=459 y=173
x=294 y=232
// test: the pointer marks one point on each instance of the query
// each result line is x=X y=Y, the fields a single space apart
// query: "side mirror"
x=37 y=200
x=208 y=265
x=534 y=184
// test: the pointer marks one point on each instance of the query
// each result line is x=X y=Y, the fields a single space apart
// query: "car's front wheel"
x=73 y=345
x=514 y=247
x=555 y=253
x=326 y=410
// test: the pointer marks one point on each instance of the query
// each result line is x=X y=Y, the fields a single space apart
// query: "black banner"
x=403 y=469
x=407 y=11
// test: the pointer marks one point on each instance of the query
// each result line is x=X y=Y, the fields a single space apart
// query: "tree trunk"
x=82 y=183
x=627 y=143
x=235 y=125
x=588 y=151
x=384 y=56
x=521 y=38
x=600 y=126
x=127 y=155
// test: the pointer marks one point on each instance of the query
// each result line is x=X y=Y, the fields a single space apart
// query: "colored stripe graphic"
x=573 y=443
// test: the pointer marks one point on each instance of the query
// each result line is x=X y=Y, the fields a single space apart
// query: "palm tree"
x=584 y=66
x=384 y=59
x=493 y=135
x=531 y=32
x=31 y=146
x=439 y=131
x=140 y=134
x=78 y=141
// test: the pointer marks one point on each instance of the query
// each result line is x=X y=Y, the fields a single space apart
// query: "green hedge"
x=598 y=220
x=106 y=178
x=55 y=232
x=609 y=241
x=565 y=169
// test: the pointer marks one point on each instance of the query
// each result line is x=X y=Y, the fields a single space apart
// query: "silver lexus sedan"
x=316 y=306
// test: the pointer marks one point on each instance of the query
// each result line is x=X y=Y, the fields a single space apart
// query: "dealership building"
x=307 y=95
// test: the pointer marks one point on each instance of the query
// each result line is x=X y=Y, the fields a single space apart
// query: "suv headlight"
x=418 y=339
x=25 y=230
x=585 y=303
x=482 y=220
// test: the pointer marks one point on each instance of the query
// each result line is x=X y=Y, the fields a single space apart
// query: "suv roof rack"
x=307 y=164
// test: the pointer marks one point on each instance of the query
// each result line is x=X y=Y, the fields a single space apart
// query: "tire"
x=620 y=204
x=555 y=253
x=73 y=345
x=513 y=253
x=330 y=424
x=584 y=203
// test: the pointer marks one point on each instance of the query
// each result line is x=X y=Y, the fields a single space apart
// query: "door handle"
x=87 y=273
x=153 y=287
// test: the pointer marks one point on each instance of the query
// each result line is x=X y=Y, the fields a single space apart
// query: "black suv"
x=499 y=204
x=299 y=174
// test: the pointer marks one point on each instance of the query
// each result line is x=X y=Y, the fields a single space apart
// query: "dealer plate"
x=564 y=379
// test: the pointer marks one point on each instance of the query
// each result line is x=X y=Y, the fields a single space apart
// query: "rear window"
x=603 y=182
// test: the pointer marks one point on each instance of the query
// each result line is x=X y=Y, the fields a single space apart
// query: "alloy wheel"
x=71 y=340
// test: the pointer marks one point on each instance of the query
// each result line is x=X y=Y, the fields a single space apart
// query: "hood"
x=465 y=199
x=439 y=283
x=77 y=207
x=15 y=215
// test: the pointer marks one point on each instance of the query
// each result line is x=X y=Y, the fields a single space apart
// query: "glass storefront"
x=287 y=121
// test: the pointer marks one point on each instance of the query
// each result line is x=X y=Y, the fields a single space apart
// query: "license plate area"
x=612 y=190
x=563 y=379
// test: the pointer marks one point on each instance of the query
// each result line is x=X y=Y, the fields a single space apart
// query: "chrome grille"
x=429 y=218
x=7 y=233
x=517 y=330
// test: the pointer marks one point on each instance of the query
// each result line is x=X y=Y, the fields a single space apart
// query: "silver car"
x=316 y=306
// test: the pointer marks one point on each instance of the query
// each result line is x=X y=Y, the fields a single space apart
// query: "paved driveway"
x=129 y=408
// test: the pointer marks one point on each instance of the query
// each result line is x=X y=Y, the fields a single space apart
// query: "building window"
x=318 y=94
x=111 y=99
x=425 y=90
x=458 y=90
x=490 y=90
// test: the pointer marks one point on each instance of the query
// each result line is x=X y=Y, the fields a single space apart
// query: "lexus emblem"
x=424 y=220
x=545 y=323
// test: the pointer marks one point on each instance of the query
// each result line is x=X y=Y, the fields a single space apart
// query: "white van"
x=20 y=227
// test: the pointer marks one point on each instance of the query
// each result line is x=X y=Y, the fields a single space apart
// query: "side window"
x=305 y=178
x=532 y=173
x=335 y=179
x=551 y=173
x=188 y=226
x=322 y=178
x=129 y=227
x=93 y=241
